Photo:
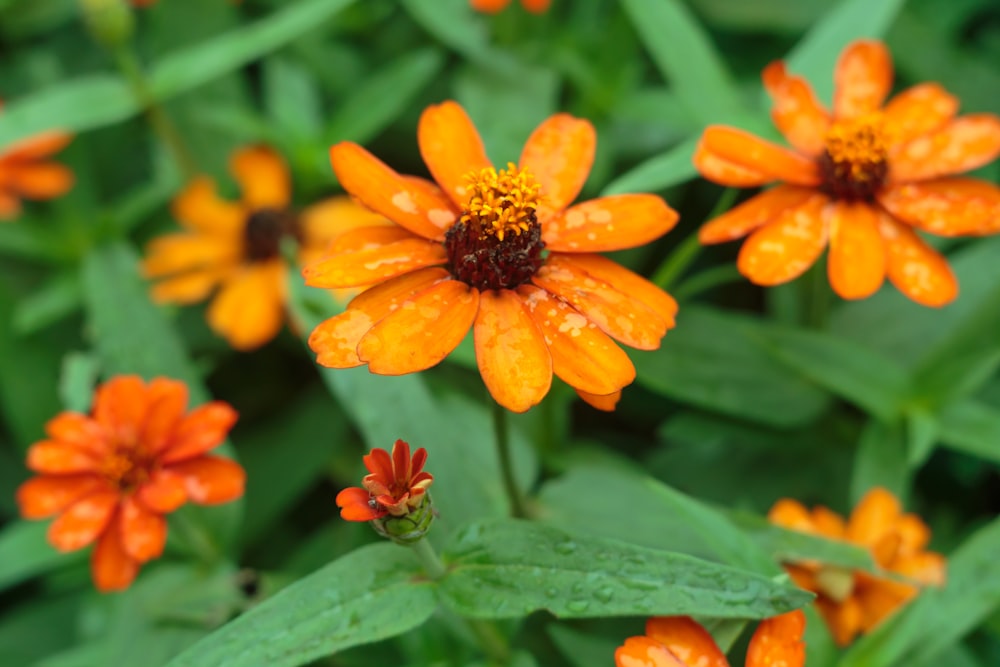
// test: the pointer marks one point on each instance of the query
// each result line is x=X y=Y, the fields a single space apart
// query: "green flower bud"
x=110 y=22
x=410 y=527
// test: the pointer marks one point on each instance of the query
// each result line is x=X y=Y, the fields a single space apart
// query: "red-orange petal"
x=687 y=640
x=857 y=261
x=753 y=213
x=167 y=400
x=645 y=652
x=918 y=110
x=372 y=264
x=796 y=112
x=56 y=458
x=164 y=492
x=401 y=461
x=778 y=642
x=511 y=353
x=263 y=178
x=199 y=207
x=927 y=567
x=873 y=517
x=210 y=480
x=947 y=207
x=203 y=429
x=405 y=202
x=963 y=144
x=609 y=223
x=354 y=505
x=110 y=565
x=602 y=268
x=46 y=495
x=724 y=172
x=120 y=406
x=37 y=146
x=559 y=153
x=791 y=514
x=916 y=269
x=379 y=465
x=40 y=180
x=862 y=79
x=755 y=154
x=144 y=533
x=536 y=6
x=783 y=249
x=83 y=521
x=605 y=402
x=249 y=309
x=451 y=148
x=78 y=430
x=10 y=206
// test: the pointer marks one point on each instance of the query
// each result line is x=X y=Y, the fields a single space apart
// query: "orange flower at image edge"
x=395 y=485
x=26 y=174
x=679 y=641
x=236 y=246
x=859 y=179
x=494 y=6
x=856 y=602
x=500 y=252
x=111 y=476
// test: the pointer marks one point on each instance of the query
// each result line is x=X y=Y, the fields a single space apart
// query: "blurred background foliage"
x=756 y=395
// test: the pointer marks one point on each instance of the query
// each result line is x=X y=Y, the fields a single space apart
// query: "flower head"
x=25 y=172
x=501 y=252
x=855 y=602
x=236 y=246
x=494 y=6
x=112 y=475
x=679 y=641
x=859 y=178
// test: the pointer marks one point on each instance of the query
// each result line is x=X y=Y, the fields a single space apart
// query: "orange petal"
x=78 y=430
x=331 y=218
x=604 y=402
x=791 y=514
x=164 y=492
x=190 y=287
x=874 y=516
x=422 y=331
x=583 y=356
x=354 y=505
x=753 y=153
x=167 y=401
x=536 y=6
x=857 y=261
x=559 y=153
x=916 y=269
x=829 y=523
x=263 y=178
x=880 y=598
x=778 y=641
x=120 y=406
x=862 y=79
x=46 y=495
x=963 y=144
x=687 y=640
x=646 y=652
x=609 y=223
x=54 y=457
x=918 y=110
x=40 y=180
x=402 y=200
x=374 y=263
x=83 y=521
x=797 y=114
x=602 y=268
x=335 y=341
x=843 y=619
x=110 y=565
x=203 y=429
x=144 y=533
x=784 y=248
x=451 y=148
x=913 y=533
x=39 y=146
x=724 y=172
x=10 y=206
x=928 y=568
x=947 y=206
x=175 y=253
x=249 y=309
x=751 y=214
x=211 y=480
x=199 y=208
x=511 y=353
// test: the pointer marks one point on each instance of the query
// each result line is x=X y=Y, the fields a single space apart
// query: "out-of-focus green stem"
x=677 y=262
x=501 y=428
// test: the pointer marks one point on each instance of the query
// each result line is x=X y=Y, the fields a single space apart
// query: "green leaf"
x=663 y=171
x=370 y=594
x=77 y=380
x=972 y=427
x=37 y=627
x=457 y=26
x=881 y=460
x=507 y=568
x=24 y=553
x=790 y=545
x=53 y=301
x=292 y=97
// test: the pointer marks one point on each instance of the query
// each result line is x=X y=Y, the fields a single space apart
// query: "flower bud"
x=110 y=22
x=408 y=528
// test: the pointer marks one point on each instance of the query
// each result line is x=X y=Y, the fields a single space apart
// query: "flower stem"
x=433 y=566
x=501 y=429
x=677 y=262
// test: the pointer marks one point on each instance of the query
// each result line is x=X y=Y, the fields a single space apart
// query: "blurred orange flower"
x=237 y=245
x=500 y=252
x=855 y=602
x=860 y=178
x=111 y=476
x=395 y=485
x=679 y=641
x=494 y=6
x=26 y=174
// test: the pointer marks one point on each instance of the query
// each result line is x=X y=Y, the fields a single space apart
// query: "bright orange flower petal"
x=605 y=402
x=857 y=260
x=687 y=640
x=405 y=202
x=785 y=248
x=110 y=566
x=451 y=148
x=167 y=400
x=331 y=218
x=489 y=6
x=263 y=178
x=862 y=79
x=918 y=110
x=791 y=514
x=83 y=521
x=778 y=641
x=78 y=430
x=725 y=172
x=914 y=535
x=645 y=652
x=203 y=429
x=176 y=253
x=211 y=480
x=40 y=180
x=829 y=523
x=10 y=206
x=43 y=496
x=963 y=144
x=422 y=332
x=874 y=516
x=199 y=207
x=536 y=6
x=843 y=619
x=249 y=309
x=144 y=533
x=163 y=492
x=559 y=153
x=372 y=264
x=609 y=223
x=37 y=147
x=927 y=567
x=753 y=153
x=751 y=214
x=946 y=206
x=354 y=505
x=602 y=268
x=797 y=113
x=56 y=458
x=120 y=405
x=191 y=287
x=916 y=269
x=401 y=461
x=510 y=351
x=880 y=598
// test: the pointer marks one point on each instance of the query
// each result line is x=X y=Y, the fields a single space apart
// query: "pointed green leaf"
x=881 y=460
x=670 y=168
x=972 y=427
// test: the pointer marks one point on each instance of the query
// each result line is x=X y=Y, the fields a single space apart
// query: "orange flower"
x=861 y=178
x=494 y=6
x=679 y=641
x=237 y=246
x=25 y=173
x=113 y=475
x=395 y=485
x=498 y=252
x=855 y=602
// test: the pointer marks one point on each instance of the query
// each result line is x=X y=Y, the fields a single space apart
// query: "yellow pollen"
x=501 y=203
x=858 y=147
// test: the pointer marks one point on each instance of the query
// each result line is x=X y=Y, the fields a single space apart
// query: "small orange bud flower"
x=26 y=173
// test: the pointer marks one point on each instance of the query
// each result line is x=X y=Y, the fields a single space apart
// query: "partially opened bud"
x=110 y=22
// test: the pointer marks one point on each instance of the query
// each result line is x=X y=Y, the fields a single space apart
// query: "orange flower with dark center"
x=679 y=641
x=856 y=602
x=859 y=179
x=111 y=476
x=500 y=252
x=395 y=485
x=26 y=173
x=237 y=246
x=494 y=6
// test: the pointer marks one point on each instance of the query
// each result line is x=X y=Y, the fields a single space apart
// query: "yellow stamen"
x=835 y=582
x=858 y=148
x=501 y=203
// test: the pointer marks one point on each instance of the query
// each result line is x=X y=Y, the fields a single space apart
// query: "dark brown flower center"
x=855 y=163
x=128 y=469
x=497 y=241
x=264 y=230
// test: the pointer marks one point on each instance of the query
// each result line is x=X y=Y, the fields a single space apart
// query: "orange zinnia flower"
x=395 y=485
x=238 y=246
x=26 y=174
x=862 y=177
x=679 y=641
x=855 y=602
x=498 y=252
x=494 y=6
x=111 y=476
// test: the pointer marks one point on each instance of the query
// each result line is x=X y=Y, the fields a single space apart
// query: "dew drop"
x=604 y=594
x=577 y=606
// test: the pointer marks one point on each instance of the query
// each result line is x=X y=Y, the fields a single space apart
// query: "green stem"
x=706 y=280
x=432 y=563
x=501 y=429
x=684 y=255
x=816 y=293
